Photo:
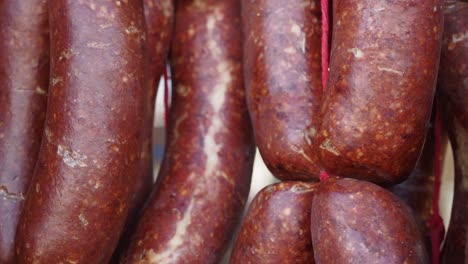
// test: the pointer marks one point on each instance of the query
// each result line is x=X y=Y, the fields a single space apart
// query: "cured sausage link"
x=283 y=82
x=24 y=80
x=205 y=175
x=276 y=228
x=81 y=189
x=359 y=222
x=383 y=69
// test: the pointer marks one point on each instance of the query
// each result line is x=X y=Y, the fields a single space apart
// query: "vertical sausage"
x=276 y=228
x=159 y=17
x=206 y=171
x=453 y=83
x=283 y=82
x=24 y=79
x=358 y=222
x=383 y=69
x=81 y=189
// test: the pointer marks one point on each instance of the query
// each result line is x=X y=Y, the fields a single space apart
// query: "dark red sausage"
x=383 y=69
x=81 y=189
x=283 y=82
x=206 y=171
x=418 y=190
x=359 y=222
x=159 y=16
x=24 y=79
x=453 y=84
x=276 y=228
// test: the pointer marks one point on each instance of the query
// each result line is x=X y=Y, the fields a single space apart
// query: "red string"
x=325 y=32
x=436 y=224
x=324 y=175
x=166 y=99
x=325 y=25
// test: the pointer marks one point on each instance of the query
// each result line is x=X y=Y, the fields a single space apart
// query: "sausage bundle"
x=24 y=80
x=383 y=68
x=283 y=82
x=205 y=175
x=454 y=90
x=80 y=194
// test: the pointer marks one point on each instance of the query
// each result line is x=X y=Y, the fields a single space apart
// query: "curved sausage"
x=383 y=69
x=24 y=79
x=81 y=189
x=206 y=171
x=359 y=222
x=276 y=228
x=418 y=190
x=454 y=90
x=159 y=16
x=283 y=82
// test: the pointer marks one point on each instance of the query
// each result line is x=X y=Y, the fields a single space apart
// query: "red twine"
x=166 y=99
x=325 y=25
x=436 y=224
x=325 y=32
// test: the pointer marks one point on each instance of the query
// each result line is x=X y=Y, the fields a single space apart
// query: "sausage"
x=354 y=221
x=383 y=69
x=81 y=190
x=283 y=82
x=276 y=228
x=159 y=17
x=454 y=93
x=418 y=190
x=24 y=79
x=205 y=176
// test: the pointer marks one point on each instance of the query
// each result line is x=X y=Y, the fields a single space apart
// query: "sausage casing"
x=24 y=80
x=383 y=69
x=205 y=175
x=81 y=189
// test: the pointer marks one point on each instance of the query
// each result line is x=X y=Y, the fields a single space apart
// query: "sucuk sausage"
x=276 y=228
x=355 y=221
x=283 y=82
x=24 y=79
x=80 y=194
x=383 y=69
x=206 y=171
x=418 y=190
x=159 y=16
x=453 y=84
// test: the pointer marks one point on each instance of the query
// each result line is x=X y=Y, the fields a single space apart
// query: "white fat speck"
x=389 y=70
x=97 y=45
x=40 y=91
x=210 y=23
x=290 y=50
x=56 y=80
x=459 y=37
x=287 y=211
x=132 y=30
x=303 y=43
x=379 y=9
x=328 y=146
x=296 y=29
x=72 y=158
x=83 y=219
x=356 y=52
x=6 y=195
